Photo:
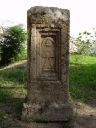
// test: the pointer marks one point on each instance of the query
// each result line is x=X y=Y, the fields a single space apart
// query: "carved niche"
x=47 y=48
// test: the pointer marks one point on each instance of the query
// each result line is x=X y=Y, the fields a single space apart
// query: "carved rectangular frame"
x=62 y=50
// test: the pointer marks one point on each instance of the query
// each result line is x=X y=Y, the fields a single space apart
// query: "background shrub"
x=13 y=42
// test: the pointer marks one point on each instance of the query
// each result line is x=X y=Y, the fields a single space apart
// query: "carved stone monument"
x=48 y=60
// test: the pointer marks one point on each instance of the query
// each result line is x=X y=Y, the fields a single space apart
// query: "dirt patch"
x=85 y=116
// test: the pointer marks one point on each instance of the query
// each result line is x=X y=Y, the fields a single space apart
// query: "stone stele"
x=48 y=62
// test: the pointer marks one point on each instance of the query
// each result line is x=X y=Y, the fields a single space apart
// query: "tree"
x=85 y=42
x=1 y=32
x=13 y=40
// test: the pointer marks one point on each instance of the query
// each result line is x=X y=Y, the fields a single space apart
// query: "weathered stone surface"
x=48 y=59
x=50 y=125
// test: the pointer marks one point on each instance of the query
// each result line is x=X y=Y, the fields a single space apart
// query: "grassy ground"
x=82 y=81
x=12 y=92
x=83 y=77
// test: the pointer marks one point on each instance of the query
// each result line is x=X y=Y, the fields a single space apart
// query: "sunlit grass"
x=83 y=77
x=82 y=59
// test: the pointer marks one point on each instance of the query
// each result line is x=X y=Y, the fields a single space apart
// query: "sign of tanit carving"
x=48 y=54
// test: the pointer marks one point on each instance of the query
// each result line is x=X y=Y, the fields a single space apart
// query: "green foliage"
x=12 y=43
x=22 y=55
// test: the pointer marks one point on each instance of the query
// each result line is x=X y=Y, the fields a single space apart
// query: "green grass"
x=82 y=80
x=12 y=90
x=82 y=77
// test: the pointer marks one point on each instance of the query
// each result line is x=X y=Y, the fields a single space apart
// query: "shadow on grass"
x=11 y=102
x=83 y=83
x=12 y=90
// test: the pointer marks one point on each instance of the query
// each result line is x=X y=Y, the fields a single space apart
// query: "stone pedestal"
x=48 y=60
